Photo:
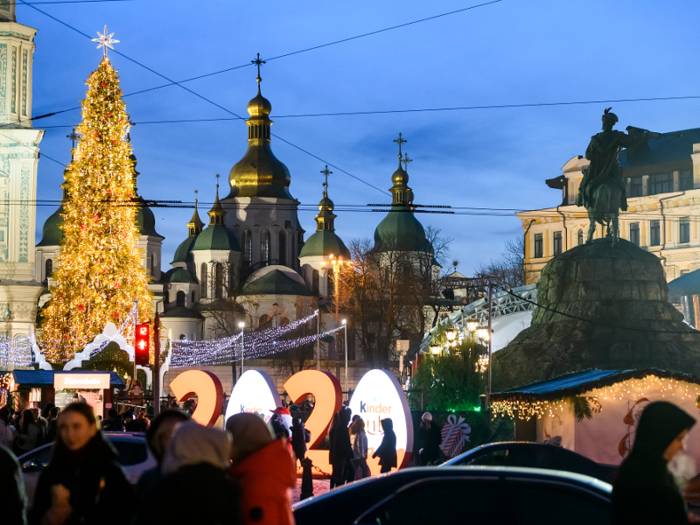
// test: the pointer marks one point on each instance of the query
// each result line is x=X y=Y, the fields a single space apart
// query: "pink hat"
x=281 y=411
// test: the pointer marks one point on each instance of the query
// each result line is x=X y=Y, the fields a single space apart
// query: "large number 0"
x=207 y=387
x=326 y=390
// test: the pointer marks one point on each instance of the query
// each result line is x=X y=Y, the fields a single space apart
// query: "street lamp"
x=472 y=325
x=241 y=325
x=336 y=263
x=345 y=325
x=435 y=349
x=483 y=333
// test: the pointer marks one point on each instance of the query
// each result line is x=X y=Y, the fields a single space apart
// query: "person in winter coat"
x=265 y=469
x=12 y=489
x=430 y=437
x=644 y=492
x=358 y=436
x=387 y=449
x=28 y=433
x=340 y=453
x=158 y=438
x=6 y=433
x=82 y=483
x=300 y=436
x=51 y=428
x=113 y=422
x=195 y=488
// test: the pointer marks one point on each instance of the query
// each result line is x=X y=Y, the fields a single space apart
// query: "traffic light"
x=143 y=342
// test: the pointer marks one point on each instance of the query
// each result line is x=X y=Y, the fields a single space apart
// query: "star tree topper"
x=105 y=41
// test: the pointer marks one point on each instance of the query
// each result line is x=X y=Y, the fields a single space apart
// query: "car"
x=134 y=456
x=473 y=495
x=535 y=455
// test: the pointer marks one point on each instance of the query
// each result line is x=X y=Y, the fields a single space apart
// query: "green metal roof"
x=324 y=242
x=52 y=232
x=182 y=254
x=180 y=312
x=216 y=237
x=401 y=231
x=275 y=282
x=146 y=222
x=178 y=275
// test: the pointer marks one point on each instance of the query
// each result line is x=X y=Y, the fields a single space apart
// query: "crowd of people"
x=23 y=431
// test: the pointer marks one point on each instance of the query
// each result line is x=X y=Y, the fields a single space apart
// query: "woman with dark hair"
x=644 y=492
x=28 y=433
x=83 y=483
x=359 y=448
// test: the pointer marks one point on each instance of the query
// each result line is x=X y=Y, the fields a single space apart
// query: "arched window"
x=166 y=298
x=203 y=280
x=314 y=282
x=153 y=265
x=264 y=248
x=283 y=248
x=580 y=238
x=264 y=321
x=329 y=284
x=247 y=248
x=48 y=268
x=181 y=296
x=219 y=290
x=193 y=301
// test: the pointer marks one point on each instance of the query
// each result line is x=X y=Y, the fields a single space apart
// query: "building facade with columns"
x=662 y=179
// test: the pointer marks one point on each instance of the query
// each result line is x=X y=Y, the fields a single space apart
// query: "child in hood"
x=265 y=469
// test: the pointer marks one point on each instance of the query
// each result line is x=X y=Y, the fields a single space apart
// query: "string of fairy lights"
x=251 y=345
x=630 y=388
x=16 y=352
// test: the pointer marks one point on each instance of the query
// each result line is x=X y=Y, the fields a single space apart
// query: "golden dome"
x=259 y=106
x=400 y=177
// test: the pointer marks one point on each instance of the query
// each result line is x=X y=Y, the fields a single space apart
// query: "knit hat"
x=250 y=434
x=427 y=416
x=193 y=444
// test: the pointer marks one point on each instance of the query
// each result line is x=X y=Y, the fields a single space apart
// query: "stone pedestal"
x=602 y=307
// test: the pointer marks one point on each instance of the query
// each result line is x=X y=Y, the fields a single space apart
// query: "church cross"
x=326 y=172
x=73 y=136
x=405 y=161
x=400 y=141
x=258 y=63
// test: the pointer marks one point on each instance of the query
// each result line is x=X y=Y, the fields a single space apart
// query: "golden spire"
x=217 y=213
x=195 y=225
x=325 y=218
x=402 y=195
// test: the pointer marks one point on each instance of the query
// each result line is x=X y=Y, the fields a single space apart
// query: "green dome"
x=146 y=222
x=324 y=242
x=180 y=312
x=52 y=232
x=178 y=275
x=401 y=231
x=182 y=254
x=216 y=237
x=275 y=282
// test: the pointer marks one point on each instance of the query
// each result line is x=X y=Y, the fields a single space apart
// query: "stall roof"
x=37 y=378
x=580 y=382
x=688 y=284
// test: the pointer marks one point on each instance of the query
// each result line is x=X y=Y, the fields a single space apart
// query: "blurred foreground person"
x=83 y=483
x=265 y=469
x=195 y=488
x=644 y=492
x=158 y=438
x=387 y=449
x=12 y=490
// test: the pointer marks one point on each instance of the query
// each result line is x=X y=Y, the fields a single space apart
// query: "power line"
x=209 y=100
x=74 y=2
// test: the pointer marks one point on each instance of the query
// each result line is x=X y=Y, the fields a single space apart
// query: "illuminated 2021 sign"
x=378 y=396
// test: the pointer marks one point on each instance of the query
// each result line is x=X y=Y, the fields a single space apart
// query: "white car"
x=134 y=456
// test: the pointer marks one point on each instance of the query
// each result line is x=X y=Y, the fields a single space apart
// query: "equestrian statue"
x=603 y=191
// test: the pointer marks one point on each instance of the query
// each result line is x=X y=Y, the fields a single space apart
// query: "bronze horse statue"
x=602 y=191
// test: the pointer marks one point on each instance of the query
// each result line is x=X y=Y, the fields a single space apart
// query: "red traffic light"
x=142 y=346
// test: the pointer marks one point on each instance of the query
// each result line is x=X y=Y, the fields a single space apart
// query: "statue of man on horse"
x=603 y=191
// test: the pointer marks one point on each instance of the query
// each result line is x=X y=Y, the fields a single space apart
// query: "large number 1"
x=326 y=390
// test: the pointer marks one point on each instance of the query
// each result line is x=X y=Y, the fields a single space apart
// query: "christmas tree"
x=99 y=274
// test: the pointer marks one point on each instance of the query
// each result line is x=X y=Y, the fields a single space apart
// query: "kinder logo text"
x=379 y=408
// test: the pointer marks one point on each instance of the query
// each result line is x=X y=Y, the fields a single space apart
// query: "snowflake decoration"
x=105 y=41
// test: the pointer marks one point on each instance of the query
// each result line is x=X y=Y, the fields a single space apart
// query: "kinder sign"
x=76 y=381
x=379 y=396
x=253 y=393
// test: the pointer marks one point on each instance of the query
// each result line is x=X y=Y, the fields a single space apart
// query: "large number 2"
x=207 y=387
x=326 y=390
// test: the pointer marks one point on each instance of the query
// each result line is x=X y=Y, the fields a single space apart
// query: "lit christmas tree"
x=99 y=274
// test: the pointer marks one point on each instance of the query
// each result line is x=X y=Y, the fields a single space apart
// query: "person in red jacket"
x=264 y=468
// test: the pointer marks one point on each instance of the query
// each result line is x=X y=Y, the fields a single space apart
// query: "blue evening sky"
x=511 y=52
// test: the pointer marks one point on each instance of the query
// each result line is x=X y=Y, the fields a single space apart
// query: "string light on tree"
x=99 y=273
